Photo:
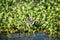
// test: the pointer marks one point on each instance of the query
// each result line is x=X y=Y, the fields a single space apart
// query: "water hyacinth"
x=13 y=13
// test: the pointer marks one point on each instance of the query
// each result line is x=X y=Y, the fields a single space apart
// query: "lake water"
x=24 y=36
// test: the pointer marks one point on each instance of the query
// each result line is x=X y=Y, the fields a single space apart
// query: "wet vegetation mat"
x=30 y=16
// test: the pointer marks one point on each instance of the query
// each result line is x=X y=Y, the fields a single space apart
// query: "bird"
x=28 y=20
x=31 y=22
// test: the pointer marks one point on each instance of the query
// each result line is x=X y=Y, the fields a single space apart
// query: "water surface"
x=24 y=36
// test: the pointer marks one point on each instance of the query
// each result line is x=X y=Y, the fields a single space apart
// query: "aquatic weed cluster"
x=13 y=18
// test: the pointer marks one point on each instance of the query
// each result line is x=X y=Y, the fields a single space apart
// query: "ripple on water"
x=18 y=36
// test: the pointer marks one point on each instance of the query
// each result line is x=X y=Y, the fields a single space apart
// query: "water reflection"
x=25 y=36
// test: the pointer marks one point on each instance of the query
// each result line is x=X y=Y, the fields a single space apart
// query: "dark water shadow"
x=20 y=36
